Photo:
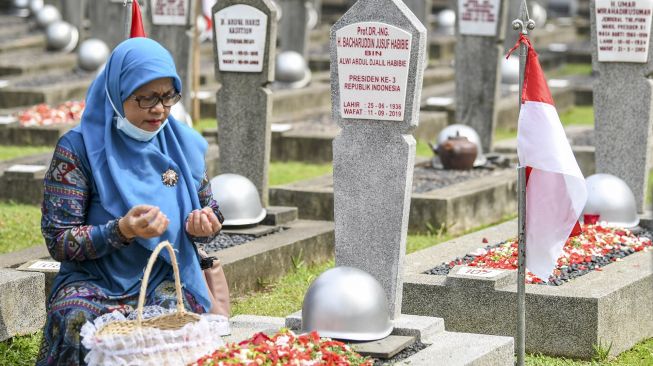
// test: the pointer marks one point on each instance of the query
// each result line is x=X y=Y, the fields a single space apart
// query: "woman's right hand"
x=143 y=221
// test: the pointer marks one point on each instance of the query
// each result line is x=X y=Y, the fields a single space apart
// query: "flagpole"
x=195 y=102
x=522 y=25
x=128 y=17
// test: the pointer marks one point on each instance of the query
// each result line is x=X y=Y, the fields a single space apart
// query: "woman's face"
x=149 y=119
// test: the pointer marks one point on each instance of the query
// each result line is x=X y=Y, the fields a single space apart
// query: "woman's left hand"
x=203 y=222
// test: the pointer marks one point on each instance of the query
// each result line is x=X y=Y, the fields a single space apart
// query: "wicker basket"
x=176 y=338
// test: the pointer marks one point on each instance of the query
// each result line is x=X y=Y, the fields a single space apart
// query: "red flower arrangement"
x=285 y=348
x=595 y=241
x=44 y=115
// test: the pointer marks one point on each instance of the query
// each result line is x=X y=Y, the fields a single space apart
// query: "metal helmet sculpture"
x=290 y=70
x=346 y=303
x=238 y=199
x=92 y=54
x=609 y=200
x=510 y=70
x=47 y=15
x=61 y=36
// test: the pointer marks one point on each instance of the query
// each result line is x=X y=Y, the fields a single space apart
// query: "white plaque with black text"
x=478 y=17
x=169 y=12
x=623 y=30
x=240 y=32
x=373 y=60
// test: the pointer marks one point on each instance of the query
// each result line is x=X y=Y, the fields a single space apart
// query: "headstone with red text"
x=245 y=33
x=378 y=51
x=479 y=49
x=170 y=24
x=623 y=93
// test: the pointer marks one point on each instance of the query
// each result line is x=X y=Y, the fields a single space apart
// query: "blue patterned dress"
x=69 y=190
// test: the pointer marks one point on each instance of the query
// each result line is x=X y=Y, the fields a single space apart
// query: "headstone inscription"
x=170 y=24
x=293 y=32
x=378 y=51
x=479 y=49
x=623 y=94
x=245 y=33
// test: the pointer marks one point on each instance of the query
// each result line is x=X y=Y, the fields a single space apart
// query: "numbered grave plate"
x=373 y=60
x=623 y=30
x=478 y=17
x=240 y=32
x=479 y=272
x=45 y=265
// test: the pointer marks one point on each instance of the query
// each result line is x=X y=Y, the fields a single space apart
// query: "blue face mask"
x=123 y=124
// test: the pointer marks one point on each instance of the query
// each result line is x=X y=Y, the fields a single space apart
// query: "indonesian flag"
x=137 y=22
x=556 y=191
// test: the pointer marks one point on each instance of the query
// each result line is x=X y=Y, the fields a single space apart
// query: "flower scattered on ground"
x=285 y=348
x=44 y=115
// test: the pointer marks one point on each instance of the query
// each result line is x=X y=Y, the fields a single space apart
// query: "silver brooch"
x=169 y=178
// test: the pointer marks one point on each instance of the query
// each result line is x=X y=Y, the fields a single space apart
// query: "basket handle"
x=146 y=277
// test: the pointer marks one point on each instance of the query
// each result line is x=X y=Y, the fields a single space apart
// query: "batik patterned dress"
x=69 y=190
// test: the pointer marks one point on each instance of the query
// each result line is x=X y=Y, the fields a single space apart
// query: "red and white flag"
x=136 y=29
x=556 y=191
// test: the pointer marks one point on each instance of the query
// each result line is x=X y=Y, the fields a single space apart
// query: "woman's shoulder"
x=71 y=144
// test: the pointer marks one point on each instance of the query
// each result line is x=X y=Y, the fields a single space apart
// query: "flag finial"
x=524 y=23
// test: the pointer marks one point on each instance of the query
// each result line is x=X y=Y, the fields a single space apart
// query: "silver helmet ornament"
x=447 y=21
x=538 y=13
x=179 y=112
x=238 y=199
x=609 y=200
x=291 y=71
x=466 y=131
x=35 y=6
x=47 y=15
x=92 y=54
x=346 y=303
x=510 y=70
x=61 y=36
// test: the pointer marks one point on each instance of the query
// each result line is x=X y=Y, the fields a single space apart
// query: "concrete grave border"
x=607 y=307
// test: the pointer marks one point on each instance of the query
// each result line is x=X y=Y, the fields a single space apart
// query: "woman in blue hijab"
x=128 y=177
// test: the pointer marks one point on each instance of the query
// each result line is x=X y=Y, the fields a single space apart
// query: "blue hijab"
x=127 y=172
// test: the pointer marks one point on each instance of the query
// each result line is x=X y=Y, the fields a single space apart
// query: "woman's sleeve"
x=206 y=200
x=66 y=198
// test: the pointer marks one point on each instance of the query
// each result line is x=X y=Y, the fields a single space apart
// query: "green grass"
x=640 y=355
x=292 y=171
x=423 y=149
x=20 y=226
x=649 y=189
x=205 y=123
x=11 y=151
x=504 y=134
x=570 y=69
x=580 y=115
x=20 y=351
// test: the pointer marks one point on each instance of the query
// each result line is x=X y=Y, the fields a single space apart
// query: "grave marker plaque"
x=623 y=93
x=478 y=17
x=623 y=30
x=373 y=157
x=245 y=31
x=373 y=61
x=240 y=33
x=170 y=12
x=478 y=56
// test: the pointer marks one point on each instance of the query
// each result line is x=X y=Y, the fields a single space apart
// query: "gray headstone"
x=293 y=35
x=623 y=96
x=244 y=42
x=107 y=21
x=74 y=12
x=170 y=23
x=378 y=51
x=479 y=52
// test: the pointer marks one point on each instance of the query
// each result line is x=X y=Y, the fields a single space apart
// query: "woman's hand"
x=203 y=222
x=143 y=221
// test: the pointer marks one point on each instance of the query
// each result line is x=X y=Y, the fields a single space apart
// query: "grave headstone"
x=107 y=21
x=479 y=52
x=74 y=12
x=245 y=33
x=293 y=33
x=170 y=24
x=378 y=51
x=623 y=93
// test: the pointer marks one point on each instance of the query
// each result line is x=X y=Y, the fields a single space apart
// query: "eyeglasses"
x=167 y=100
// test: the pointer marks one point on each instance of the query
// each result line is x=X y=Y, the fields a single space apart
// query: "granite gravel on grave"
x=426 y=179
x=224 y=241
